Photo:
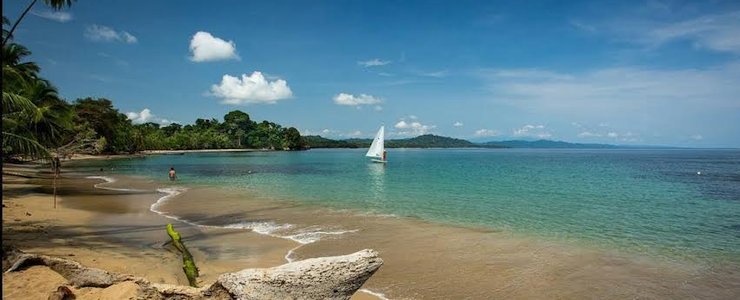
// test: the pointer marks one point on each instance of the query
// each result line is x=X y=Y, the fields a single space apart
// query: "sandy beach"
x=110 y=226
x=113 y=225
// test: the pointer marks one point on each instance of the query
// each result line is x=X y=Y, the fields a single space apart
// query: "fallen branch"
x=188 y=264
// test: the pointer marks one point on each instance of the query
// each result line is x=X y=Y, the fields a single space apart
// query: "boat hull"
x=380 y=161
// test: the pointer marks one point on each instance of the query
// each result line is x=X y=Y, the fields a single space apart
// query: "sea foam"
x=108 y=180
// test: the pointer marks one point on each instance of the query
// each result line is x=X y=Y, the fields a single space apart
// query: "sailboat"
x=377 y=148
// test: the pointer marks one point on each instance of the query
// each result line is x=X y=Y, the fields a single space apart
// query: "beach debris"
x=62 y=293
x=335 y=277
x=28 y=213
x=77 y=274
x=188 y=264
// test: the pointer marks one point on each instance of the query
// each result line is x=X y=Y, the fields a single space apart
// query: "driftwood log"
x=335 y=277
x=188 y=264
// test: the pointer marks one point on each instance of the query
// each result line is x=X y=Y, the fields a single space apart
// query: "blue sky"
x=620 y=72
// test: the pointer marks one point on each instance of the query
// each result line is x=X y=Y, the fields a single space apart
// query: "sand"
x=113 y=229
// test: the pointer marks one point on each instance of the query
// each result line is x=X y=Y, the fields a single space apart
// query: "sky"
x=617 y=72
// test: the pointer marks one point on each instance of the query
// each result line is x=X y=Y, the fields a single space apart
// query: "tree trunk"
x=12 y=29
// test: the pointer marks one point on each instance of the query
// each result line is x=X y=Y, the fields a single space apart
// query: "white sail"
x=377 y=147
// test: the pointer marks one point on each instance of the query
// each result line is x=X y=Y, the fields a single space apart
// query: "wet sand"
x=114 y=229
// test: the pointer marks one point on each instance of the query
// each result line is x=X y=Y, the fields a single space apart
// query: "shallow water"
x=645 y=201
x=470 y=223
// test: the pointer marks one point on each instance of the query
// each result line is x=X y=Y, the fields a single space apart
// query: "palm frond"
x=24 y=146
x=13 y=102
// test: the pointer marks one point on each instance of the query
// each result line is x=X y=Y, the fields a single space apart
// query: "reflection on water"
x=376 y=174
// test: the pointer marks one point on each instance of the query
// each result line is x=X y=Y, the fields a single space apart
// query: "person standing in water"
x=173 y=176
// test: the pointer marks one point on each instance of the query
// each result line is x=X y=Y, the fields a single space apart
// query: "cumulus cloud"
x=538 y=131
x=146 y=116
x=251 y=89
x=100 y=33
x=206 y=47
x=58 y=16
x=458 y=124
x=486 y=132
x=412 y=128
x=362 y=99
x=373 y=62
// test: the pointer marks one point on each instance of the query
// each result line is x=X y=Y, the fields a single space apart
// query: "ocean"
x=676 y=204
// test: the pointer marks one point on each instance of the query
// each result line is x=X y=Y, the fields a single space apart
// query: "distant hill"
x=430 y=141
x=422 y=141
x=436 y=141
x=546 y=144
x=316 y=141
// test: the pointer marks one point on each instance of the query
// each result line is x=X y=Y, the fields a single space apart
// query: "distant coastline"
x=436 y=141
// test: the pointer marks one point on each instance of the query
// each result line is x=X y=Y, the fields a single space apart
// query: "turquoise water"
x=649 y=201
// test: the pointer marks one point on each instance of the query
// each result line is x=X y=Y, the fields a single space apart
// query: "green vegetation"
x=38 y=123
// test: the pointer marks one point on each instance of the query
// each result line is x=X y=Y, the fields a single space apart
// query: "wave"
x=108 y=180
x=376 y=294
x=170 y=193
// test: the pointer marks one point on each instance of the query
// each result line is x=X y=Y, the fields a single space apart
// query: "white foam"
x=266 y=228
x=309 y=237
x=107 y=181
x=376 y=294
x=170 y=192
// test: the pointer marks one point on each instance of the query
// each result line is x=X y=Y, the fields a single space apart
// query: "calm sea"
x=673 y=203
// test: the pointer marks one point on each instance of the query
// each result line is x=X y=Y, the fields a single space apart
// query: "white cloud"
x=413 y=128
x=582 y=26
x=435 y=74
x=362 y=99
x=58 y=16
x=486 y=132
x=100 y=33
x=458 y=124
x=326 y=132
x=206 y=47
x=718 y=32
x=623 y=137
x=617 y=92
x=251 y=89
x=413 y=117
x=538 y=131
x=146 y=116
x=697 y=137
x=373 y=63
x=588 y=134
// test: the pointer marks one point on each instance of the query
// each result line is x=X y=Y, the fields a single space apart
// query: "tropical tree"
x=54 y=4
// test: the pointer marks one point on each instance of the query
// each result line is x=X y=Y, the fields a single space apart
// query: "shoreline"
x=126 y=248
x=423 y=259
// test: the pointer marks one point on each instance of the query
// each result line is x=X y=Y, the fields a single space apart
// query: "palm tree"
x=54 y=4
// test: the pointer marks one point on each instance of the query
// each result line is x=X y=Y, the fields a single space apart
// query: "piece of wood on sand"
x=188 y=264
